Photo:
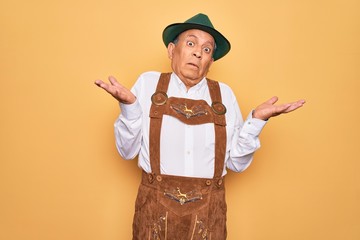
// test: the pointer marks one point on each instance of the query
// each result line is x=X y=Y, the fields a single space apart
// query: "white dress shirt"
x=185 y=150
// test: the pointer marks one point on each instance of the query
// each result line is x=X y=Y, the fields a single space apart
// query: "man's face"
x=191 y=57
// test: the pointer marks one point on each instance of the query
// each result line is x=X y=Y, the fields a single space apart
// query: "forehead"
x=198 y=34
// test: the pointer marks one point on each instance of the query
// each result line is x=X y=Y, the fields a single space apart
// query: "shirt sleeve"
x=127 y=129
x=128 y=126
x=245 y=140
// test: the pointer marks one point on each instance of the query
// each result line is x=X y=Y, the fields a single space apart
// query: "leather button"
x=220 y=182
x=159 y=98
x=208 y=182
x=151 y=178
x=218 y=108
x=159 y=178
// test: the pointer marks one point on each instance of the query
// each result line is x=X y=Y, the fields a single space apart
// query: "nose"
x=197 y=54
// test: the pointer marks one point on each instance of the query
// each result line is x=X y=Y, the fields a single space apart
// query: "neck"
x=188 y=82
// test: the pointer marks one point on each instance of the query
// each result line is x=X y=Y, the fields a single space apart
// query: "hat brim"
x=222 y=44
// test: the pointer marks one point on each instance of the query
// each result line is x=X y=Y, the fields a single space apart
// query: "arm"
x=128 y=125
x=245 y=140
x=246 y=135
x=127 y=129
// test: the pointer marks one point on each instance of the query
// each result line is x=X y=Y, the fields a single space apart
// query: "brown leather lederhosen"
x=182 y=208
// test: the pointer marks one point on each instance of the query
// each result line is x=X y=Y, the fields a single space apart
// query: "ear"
x=170 y=49
x=211 y=62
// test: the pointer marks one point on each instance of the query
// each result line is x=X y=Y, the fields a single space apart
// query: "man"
x=187 y=131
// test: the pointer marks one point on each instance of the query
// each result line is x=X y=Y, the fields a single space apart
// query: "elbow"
x=127 y=152
x=239 y=165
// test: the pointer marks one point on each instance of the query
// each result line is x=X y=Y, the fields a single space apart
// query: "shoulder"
x=228 y=96
x=146 y=81
x=226 y=92
x=225 y=88
x=149 y=76
x=146 y=84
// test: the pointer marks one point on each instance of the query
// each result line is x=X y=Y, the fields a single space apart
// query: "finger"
x=272 y=100
x=295 y=106
x=299 y=102
x=302 y=101
x=104 y=86
x=101 y=84
x=113 y=81
x=98 y=82
x=282 y=108
x=288 y=107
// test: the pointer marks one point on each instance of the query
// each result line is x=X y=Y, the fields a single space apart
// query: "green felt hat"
x=201 y=22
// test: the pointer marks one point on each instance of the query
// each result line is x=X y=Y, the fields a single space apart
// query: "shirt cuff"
x=253 y=126
x=131 y=111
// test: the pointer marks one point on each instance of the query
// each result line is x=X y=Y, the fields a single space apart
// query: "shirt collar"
x=197 y=87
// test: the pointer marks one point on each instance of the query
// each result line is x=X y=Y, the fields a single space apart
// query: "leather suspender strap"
x=156 y=113
x=220 y=127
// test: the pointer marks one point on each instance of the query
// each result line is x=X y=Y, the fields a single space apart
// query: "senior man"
x=186 y=130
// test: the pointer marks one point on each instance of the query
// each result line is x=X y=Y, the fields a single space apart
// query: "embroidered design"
x=157 y=229
x=202 y=230
x=183 y=198
x=188 y=113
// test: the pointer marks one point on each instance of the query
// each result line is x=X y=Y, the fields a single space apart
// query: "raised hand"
x=268 y=109
x=118 y=91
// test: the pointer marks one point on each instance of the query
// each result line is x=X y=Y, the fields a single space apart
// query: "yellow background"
x=60 y=174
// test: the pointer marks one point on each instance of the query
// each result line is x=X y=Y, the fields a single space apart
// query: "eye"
x=191 y=44
x=207 y=50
